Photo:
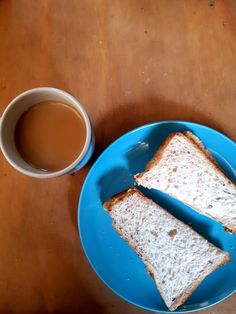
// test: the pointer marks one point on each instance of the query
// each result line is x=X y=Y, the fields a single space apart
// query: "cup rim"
x=63 y=171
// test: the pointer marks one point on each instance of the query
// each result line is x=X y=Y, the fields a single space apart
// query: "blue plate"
x=111 y=258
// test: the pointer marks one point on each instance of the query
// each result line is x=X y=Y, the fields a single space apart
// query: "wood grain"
x=129 y=62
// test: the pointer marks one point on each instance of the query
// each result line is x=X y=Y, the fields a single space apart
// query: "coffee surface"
x=50 y=135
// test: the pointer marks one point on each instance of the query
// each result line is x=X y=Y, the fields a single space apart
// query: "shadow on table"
x=75 y=182
x=119 y=120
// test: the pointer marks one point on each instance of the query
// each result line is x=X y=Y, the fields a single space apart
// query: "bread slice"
x=184 y=169
x=177 y=258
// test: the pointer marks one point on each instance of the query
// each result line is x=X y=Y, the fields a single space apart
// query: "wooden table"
x=129 y=62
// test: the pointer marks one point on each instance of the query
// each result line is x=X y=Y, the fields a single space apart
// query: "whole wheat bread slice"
x=184 y=169
x=177 y=257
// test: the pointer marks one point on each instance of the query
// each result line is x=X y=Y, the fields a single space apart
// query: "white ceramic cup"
x=12 y=114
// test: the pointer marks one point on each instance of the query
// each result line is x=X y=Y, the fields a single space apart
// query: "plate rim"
x=80 y=201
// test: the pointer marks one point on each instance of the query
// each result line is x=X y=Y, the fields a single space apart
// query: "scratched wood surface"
x=129 y=62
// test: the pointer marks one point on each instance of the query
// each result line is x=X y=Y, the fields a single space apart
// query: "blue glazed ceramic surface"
x=111 y=257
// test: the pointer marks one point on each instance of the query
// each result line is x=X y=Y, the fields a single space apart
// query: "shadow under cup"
x=15 y=110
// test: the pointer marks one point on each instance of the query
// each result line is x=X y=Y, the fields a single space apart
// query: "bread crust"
x=119 y=197
x=158 y=155
x=182 y=297
x=196 y=142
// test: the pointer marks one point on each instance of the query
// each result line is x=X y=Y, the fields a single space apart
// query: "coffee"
x=50 y=135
